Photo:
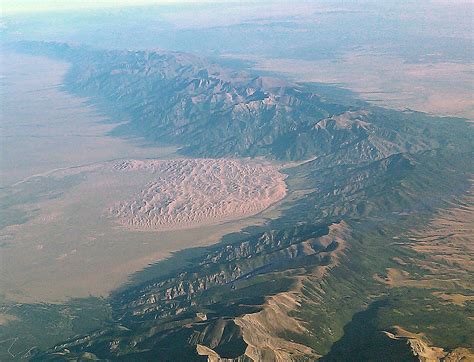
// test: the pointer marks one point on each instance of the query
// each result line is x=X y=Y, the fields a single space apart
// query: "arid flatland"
x=78 y=223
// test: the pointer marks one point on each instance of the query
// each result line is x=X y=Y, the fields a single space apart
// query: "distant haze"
x=413 y=54
x=27 y=6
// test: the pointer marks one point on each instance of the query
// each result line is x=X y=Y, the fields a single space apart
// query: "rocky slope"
x=296 y=292
x=214 y=112
x=310 y=283
x=191 y=305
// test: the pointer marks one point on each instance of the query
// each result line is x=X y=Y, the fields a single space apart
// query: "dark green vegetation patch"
x=380 y=172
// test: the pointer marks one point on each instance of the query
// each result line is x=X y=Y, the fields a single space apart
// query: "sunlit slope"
x=325 y=279
x=214 y=112
x=291 y=292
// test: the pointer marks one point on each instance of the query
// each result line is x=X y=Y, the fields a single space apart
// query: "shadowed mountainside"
x=301 y=286
x=290 y=292
x=215 y=112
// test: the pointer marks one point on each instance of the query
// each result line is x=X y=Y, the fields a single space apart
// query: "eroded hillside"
x=327 y=278
x=214 y=112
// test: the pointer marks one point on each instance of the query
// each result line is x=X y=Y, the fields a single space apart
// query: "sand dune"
x=190 y=192
x=91 y=226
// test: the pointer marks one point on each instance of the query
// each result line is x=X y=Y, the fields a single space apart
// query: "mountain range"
x=338 y=274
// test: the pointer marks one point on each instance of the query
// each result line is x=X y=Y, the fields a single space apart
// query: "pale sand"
x=75 y=246
x=190 y=192
x=72 y=246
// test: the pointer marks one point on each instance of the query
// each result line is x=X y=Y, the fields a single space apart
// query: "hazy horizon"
x=236 y=180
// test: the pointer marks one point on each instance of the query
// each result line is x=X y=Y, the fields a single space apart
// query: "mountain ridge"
x=371 y=173
x=211 y=111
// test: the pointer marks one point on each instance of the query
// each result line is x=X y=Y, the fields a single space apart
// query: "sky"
x=11 y=7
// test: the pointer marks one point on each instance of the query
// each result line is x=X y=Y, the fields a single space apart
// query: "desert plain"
x=82 y=211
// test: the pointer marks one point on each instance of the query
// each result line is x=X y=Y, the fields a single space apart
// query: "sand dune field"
x=187 y=193
x=83 y=230
x=82 y=210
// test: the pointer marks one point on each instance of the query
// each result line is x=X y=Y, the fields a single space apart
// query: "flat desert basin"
x=81 y=211
x=87 y=228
